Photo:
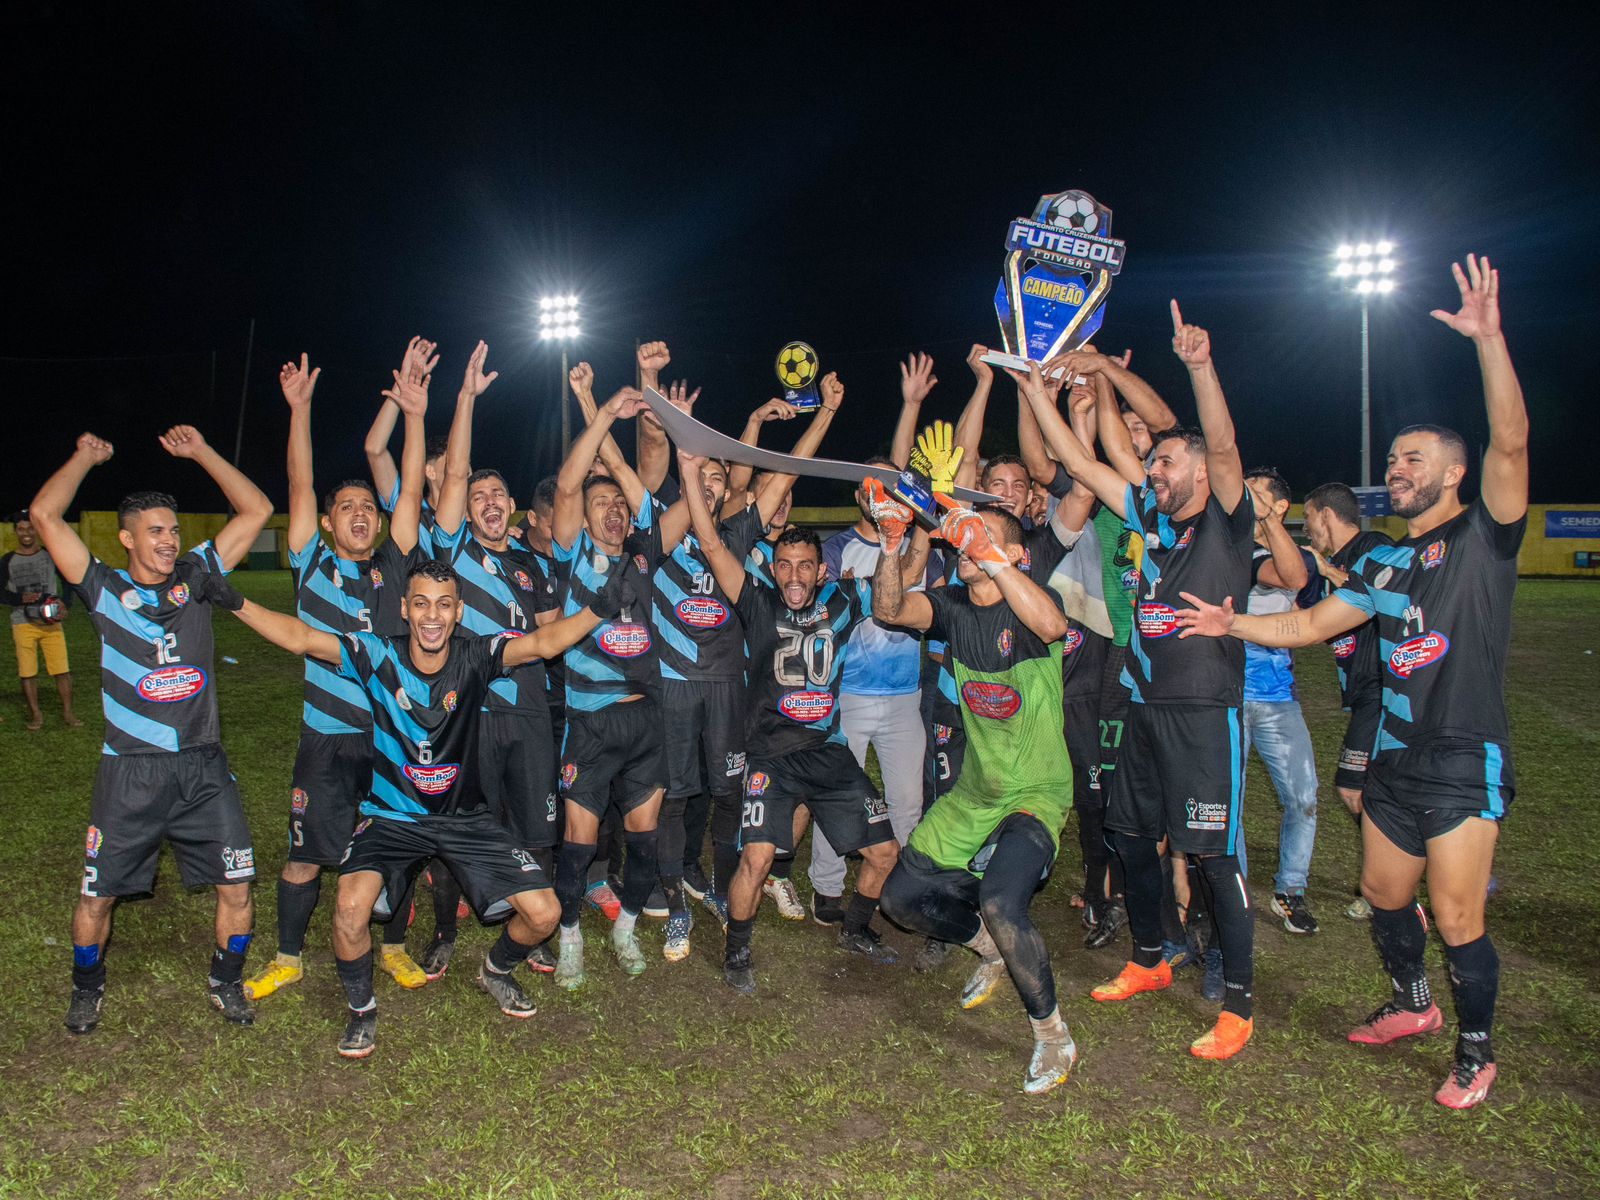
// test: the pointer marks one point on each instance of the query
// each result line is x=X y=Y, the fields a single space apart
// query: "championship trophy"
x=797 y=373
x=1058 y=269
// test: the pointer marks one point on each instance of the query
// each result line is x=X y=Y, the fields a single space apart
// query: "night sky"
x=351 y=174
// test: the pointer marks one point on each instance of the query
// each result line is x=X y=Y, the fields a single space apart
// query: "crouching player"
x=986 y=847
x=425 y=801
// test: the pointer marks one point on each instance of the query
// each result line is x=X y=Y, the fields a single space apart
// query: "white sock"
x=1051 y=1028
x=624 y=923
x=571 y=935
x=984 y=944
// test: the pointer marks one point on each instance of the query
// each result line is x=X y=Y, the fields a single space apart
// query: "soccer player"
x=1181 y=773
x=613 y=752
x=163 y=774
x=1440 y=777
x=797 y=628
x=354 y=587
x=29 y=583
x=427 y=693
x=1333 y=522
x=986 y=847
x=1273 y=723
x=381 y=463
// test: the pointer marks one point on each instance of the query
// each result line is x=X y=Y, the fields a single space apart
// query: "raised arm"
x=725 y=568
x=969 y=426
x=410 y=396
x=567 y=519
x=1072 y=513
x=458 y=454
x=965 y=530
x=48 y=510
x=1114 y=437
x=249 y=503
x=1505 y=464
x=916 y=381
x=1081 y=464
x=581 y=377
x=1287 y=567
x=652 y=454
x=1192 y=345
x=740 y=474
x=774 y=487
x=298 y=382
x=379 y=461
x=1141 y=397
x=891 y=602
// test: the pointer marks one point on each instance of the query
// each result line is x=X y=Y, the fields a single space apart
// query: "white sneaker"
x=785 y=897
x=1049 y=1067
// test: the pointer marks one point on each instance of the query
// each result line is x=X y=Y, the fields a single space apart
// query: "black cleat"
x=827 y=910
x=360 y=1034
x=83 y=1013
x=1296 y=914
x=931 y=955
x=1113 y=918
x=229 y=1000
x=739 y=972
x=506 y=992
x=869 y=945
x=695 y=881
x=542 y=959
x=436 y=959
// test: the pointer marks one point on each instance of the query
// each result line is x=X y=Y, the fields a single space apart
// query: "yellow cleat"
x=280 y=974
x=406 y=972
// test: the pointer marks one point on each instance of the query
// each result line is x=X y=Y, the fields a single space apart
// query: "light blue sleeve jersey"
x=883 y=660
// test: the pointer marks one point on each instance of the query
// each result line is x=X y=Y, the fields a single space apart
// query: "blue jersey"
x=888 y=661
x=700 y=634
x=427 y=523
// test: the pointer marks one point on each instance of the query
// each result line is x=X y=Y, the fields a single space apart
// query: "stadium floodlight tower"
x=558 y=322
x=1367 y=270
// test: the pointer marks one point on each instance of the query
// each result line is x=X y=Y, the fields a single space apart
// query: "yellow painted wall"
x=1540 y=555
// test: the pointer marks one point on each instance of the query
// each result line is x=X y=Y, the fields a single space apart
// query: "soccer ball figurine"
x=797 y=365
x=1076 y=211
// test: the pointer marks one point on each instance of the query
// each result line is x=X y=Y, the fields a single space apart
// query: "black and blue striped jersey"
x=1355 y=654
x=155 y=656
x=619 y=658
x=424 y=727
x=700 y=635
x=1443 y=607
x=502 y=591
x=1207 y=556
x=339 y=596
x=797 y=662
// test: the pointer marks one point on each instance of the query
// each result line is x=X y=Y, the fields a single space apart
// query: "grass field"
x=838 y=1079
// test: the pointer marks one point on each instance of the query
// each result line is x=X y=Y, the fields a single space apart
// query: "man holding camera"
x=28 y=582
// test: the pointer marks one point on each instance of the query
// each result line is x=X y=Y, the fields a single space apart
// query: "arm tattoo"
x=1287 y=625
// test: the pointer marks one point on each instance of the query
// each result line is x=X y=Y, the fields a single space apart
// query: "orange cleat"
x=1225 y=1039
x=1133 y=980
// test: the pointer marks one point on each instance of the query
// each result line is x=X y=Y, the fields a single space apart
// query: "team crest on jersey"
x=941 y=735
x=700 y=612
x=1381 y=579
x=298 y=801
x=1433 y=556
x=93 y=841
x=1417 y=653
x=642 y=563
x=1157 y=620
x=624 y=640
x=433 y=780
x=490 y=566
x=1006 y=642
x=376 y=576
x=807 y=706
x=1184 y=539
x=877 y=809
x=997 y=701
x=1071 y=642
x=1344 y=646
x=131 y=601
x=238 y=864
x=524 y=580
x=569 y=775
x=167 y=685
x=1130 y=579
x=178 y=595
x=449 y=701
x=403 y=700
x=757 y=783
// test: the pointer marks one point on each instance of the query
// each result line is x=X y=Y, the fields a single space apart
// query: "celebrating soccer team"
x=506 y=709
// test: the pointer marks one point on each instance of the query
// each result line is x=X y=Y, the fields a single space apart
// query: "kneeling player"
x=426 y=693
x=985 y=848
x=797 y=629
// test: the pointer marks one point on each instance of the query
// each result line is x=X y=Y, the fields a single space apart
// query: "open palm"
x=1480 y=300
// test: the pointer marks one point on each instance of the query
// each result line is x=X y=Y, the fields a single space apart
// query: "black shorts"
x=189 y=799
x=1472 y=779
x=703 y=721
x=517 y=768
x=828 y=782
x=1081 y=726
x=1411 y=828
x=613 y=756
x=1180 y=776
x=475 y=847
x=1359 y=737
x=332 y=775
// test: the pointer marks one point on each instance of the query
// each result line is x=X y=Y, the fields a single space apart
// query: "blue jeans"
x=1278 y=732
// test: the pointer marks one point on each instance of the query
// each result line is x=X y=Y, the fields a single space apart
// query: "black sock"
x=356 y=976
x=696 y=813
x=446 y=895
x=572 y=870
x=782 y=864
x=296 y=903
x=641 y=872
x=1236 y=923
x=858 y=915
x=227 y=962
x=725 y=814
x=394 y=929
x=1401 y=940
x=672 y=889
x=739 y=932
x=88 y=968
x=1142 y=867
x=1172 y=924
x=507 y=954
x=1474 y=981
